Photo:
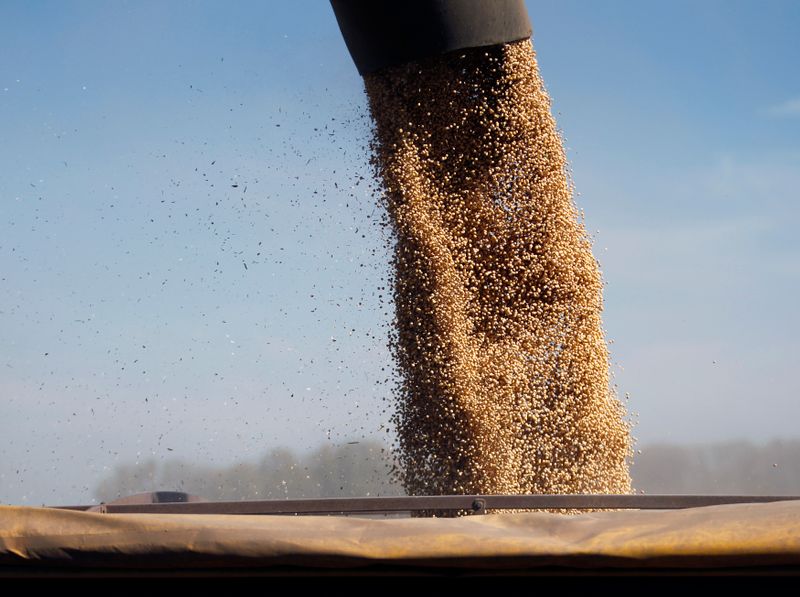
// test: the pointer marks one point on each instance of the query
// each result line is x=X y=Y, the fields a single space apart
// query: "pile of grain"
x=498 y=335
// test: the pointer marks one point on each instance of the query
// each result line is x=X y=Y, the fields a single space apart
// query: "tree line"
x=365 y=469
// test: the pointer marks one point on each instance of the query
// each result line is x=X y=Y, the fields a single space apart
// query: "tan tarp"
x=747 y=535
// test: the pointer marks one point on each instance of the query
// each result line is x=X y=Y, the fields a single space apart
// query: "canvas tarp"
x=716 y=537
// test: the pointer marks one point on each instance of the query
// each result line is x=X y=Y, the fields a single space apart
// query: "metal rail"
x=476 y=504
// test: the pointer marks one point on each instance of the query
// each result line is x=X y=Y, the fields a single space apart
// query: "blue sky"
x=193 y=267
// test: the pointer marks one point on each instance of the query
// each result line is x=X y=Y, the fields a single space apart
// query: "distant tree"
x=355 y=469
x=728 y=468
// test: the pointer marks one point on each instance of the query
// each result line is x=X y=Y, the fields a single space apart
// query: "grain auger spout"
x=386 y=33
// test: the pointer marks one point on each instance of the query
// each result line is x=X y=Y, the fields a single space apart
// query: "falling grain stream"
x=498 y=335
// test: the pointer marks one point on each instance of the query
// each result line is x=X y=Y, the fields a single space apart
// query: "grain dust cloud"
x=503 y=363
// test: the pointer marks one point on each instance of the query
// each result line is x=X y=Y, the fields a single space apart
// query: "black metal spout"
x=383 y=33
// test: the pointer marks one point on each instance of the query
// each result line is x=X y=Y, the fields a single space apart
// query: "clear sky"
x=191 y=265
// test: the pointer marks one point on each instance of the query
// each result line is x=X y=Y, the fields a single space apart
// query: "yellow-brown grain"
x=498 y=334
